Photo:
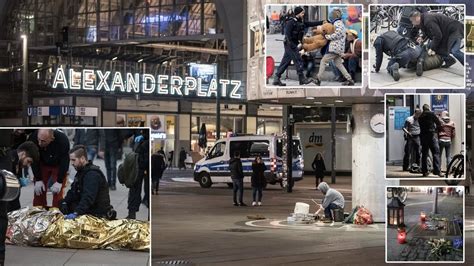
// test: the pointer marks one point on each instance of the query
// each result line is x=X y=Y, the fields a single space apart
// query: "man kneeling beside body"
x=333 y=199
x=89 y=193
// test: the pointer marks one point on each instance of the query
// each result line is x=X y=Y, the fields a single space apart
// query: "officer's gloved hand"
x=71 y=216
x=39 y=188
x=56 y=188
x=139 y=138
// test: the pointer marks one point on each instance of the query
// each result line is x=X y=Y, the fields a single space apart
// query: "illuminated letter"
x=188 y=87
x=74 y=79
x=212 y=88
x=117 y=82
x=132 y=84
x=175 y=84
x=60 y=78
x=162 y=88
x=103 y=80
x=224 y=83
x=88 y=79
x=234 y=93
x=200 y=92
x=145 y=88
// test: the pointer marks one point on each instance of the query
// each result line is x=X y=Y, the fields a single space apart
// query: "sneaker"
x=425 y=174
x=254 y=203
x=259 y=203
x=277 y=81
x=242 y=204
x=236 y=204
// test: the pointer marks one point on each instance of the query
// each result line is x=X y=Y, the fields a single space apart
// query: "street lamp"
x=395 y=210
x=25 y=81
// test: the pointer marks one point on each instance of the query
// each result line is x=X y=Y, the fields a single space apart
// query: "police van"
x=214 y=167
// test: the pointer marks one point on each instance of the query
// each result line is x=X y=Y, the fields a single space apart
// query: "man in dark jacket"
x=445 y=33
x=237 y=175
x=112 y=146
x=90 y=138
x=294 y=32
x=142 y=148
x=429 y=124
x=401 y=50
x=89 y=193
x=12 y=161
x=54 y=164
x=158 y=166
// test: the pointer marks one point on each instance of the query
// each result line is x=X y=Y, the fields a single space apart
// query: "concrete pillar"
x=368 y=180
x=251 y=125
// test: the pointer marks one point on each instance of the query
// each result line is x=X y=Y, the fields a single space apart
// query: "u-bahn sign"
x=146 y=84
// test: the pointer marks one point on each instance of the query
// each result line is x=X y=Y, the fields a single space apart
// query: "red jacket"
x=447 y=131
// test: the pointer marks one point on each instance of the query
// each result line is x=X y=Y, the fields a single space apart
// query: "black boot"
x=393 y=70
x=303 y=79
x=277 y=81
x=348 y=82
x=419 y=67
x=317 y=81
x=131 y=215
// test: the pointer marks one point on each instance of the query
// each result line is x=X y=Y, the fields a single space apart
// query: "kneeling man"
x=333 y=199
x=89 y=193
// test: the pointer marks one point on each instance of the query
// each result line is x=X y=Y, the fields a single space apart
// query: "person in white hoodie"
x=333 y=199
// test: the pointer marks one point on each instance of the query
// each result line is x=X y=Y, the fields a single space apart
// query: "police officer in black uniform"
x=89 y=193
x=401 y=50
x=294 y=32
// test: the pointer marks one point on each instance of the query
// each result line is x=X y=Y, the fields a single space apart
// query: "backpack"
x=127 y=172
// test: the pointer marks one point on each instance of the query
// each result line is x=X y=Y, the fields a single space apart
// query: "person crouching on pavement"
x=333 y=199
x=89 y=193
x=258 y=180
x=52 y=166
x=445 y=33
x=335 y=49
x=294 y=32
x=401 y=50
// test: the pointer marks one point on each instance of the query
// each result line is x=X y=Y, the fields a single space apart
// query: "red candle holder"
x=423 y=216
x=402 y=235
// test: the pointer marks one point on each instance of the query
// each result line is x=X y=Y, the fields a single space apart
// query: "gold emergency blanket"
x=36 y=227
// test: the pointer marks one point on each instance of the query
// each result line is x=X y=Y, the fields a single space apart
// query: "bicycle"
x=455 y=170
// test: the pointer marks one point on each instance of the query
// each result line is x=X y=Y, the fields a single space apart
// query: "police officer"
x=429 y=125
x=89 y=193
x=294 y=32
x=401 y=50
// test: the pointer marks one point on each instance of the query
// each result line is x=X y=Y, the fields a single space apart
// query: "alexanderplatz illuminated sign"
x=145 y=84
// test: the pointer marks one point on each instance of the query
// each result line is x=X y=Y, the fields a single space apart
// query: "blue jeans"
x=110 y=158
x=327 y=210
x=255 y=191
x=447 y=146
x=456 y=51
x=238 y=188
x=91 y=153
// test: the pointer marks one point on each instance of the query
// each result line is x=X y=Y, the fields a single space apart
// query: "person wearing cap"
x=294 y=32
x=429 y=125
x=412 y=137
x=401 y=50
x=445 y=33
x=351 y=57
x=446 y=133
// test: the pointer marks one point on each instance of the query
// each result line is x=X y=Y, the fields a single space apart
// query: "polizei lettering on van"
x=146 y=84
